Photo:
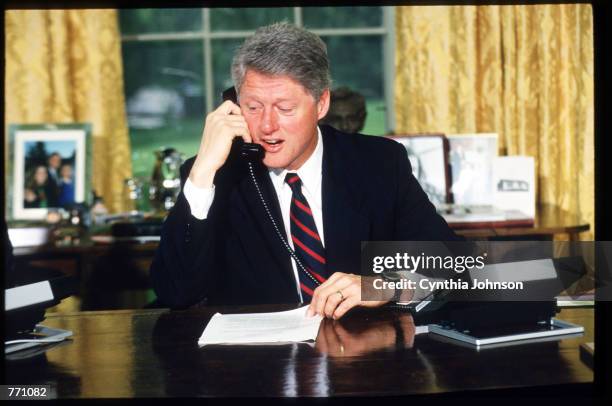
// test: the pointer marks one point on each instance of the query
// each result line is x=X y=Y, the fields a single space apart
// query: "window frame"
x=386 y=31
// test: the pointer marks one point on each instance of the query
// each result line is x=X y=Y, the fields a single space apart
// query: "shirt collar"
x=309 y=172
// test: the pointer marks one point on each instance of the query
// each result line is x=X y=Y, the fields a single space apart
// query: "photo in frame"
x=428 y=156
x=49 y=167
x=471 y=159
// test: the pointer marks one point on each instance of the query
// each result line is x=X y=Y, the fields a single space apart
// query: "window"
x=177 y=63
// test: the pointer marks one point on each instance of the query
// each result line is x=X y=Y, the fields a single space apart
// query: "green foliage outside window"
x=247 y=19
x=164 y=79
x=342 y=17
x=156 y=20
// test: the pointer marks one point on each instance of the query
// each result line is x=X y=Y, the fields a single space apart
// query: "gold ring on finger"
x=341 y=295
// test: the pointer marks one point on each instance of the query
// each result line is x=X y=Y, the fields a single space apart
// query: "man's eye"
x=286 y=110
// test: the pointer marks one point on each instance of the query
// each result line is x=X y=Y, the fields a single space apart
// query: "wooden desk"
x=111 y=276
x=100 y=266
x=154 y=353
x=550 y=221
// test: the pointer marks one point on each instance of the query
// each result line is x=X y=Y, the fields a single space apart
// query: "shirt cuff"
x=199 y=199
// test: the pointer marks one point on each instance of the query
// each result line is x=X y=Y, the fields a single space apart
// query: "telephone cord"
x=278 y=233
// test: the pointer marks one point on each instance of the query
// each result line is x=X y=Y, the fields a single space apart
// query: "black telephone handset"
x=253 y=152
x=249 y=150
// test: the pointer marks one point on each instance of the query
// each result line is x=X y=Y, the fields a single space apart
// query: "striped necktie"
x=306 y=241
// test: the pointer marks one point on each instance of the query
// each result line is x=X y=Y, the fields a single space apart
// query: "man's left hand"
x=337 y=295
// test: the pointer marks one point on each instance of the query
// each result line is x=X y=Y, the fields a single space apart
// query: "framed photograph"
x=50 y=168
x=514 y=184
x=471 y=160
x=428 y=155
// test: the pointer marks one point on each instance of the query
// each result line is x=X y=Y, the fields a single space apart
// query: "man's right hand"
x=220 y=129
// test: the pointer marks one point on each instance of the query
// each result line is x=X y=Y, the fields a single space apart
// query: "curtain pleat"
x=64 y=66
x=524 y=72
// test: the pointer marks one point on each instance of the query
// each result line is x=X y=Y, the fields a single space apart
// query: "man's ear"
x=323 y=104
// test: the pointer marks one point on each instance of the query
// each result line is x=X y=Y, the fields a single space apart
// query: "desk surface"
x=549 y=221
x=154 y=353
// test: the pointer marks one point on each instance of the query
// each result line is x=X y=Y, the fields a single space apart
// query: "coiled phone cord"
x=278 y=233
x=291 y=252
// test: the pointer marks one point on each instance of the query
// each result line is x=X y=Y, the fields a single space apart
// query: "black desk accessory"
x=25 y=307
x=483 y=317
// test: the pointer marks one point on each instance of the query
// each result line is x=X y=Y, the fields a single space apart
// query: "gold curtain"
x=524 y=72
x=64 y=66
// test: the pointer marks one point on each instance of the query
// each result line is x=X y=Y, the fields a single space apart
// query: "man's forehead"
x=253 y=77
x=276 y=87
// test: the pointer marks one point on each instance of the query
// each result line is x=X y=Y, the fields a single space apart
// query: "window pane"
x=165 y=95
x=222 y=53
x=357 y=62
x=140 y=21
x=342 y=17
x=245 y=19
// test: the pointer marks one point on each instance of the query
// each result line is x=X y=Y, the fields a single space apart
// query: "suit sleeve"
x=417 y=219
x=182 y=270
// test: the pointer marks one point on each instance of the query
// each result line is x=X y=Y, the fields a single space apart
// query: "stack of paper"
x=277 y=327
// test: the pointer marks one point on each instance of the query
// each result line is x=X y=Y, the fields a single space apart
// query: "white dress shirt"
x=200 y=199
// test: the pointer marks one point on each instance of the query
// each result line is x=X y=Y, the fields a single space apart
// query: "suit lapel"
x=261 y=218
x=343 y=223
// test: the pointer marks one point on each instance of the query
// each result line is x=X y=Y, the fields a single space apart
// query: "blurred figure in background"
x=347 y=111
x=53 y=166
x=66 y=186
x=35 y=193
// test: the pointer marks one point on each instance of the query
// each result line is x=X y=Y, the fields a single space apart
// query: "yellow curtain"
x=65 y=66
x=524 y=72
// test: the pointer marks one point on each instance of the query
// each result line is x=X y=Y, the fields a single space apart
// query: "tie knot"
x=294 y=181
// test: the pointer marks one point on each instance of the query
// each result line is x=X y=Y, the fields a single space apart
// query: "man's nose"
x=269 y=121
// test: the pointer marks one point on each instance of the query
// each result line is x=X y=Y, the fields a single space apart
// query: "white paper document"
x=252 y=328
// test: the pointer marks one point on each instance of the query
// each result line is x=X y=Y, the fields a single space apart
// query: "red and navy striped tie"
x=306 y=241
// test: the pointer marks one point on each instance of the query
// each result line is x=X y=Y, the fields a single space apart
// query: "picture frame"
x=471 y=158
x=49 y=168
x=428 y=155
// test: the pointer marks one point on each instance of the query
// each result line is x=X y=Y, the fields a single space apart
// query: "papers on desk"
x=255 y=328
x=40 y=336
x=475 y=216
x=585 y=300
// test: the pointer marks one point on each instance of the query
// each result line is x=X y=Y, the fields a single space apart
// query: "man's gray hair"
x=284 y=49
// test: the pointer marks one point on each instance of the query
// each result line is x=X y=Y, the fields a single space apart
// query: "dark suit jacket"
x=234 y=255
x=52 y=189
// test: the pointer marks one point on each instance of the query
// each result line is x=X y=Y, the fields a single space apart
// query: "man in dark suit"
x=52 y=187
x=288 y=228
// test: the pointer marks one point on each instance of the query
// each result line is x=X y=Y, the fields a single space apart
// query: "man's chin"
x=273 y=164
x=276 y=162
